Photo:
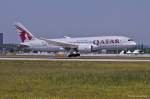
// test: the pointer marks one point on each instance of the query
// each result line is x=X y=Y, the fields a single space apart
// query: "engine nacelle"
x=88 y=48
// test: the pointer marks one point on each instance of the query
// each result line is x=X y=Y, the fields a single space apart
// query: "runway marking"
x=105 y=60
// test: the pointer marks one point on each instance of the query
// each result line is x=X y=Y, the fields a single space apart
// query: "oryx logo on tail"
x=24 y=34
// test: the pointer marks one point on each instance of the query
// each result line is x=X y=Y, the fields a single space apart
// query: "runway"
x=76 y=59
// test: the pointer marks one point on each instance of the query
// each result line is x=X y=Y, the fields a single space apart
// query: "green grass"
x=74 y=80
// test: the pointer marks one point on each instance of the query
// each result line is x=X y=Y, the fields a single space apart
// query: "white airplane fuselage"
x=84 y=43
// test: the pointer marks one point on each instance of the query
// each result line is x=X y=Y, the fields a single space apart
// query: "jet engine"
x=88 y=48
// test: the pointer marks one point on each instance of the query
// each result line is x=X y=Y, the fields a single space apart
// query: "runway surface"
x=50 y=59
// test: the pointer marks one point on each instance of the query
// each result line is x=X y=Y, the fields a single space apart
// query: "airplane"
x=136 y=52
x=73 y=46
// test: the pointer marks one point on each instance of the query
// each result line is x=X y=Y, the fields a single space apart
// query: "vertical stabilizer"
x=24 y=34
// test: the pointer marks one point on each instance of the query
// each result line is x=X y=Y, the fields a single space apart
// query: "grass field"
x=74 y=80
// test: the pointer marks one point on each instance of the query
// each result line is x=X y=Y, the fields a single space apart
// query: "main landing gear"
x=73 y=53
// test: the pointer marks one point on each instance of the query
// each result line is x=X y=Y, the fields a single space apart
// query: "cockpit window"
x=130 y=39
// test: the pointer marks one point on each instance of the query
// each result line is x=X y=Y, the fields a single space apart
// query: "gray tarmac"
x=78 y=59
x=86 y=57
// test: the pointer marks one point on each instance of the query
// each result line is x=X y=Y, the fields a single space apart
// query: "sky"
x=77 y=18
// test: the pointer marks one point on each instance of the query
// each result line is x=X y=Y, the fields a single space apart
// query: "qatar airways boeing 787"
x=72 y=45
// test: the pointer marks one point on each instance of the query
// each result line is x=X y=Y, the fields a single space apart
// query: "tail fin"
x=24 y=34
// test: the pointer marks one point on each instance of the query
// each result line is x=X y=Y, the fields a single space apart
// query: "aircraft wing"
x=63 y=44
